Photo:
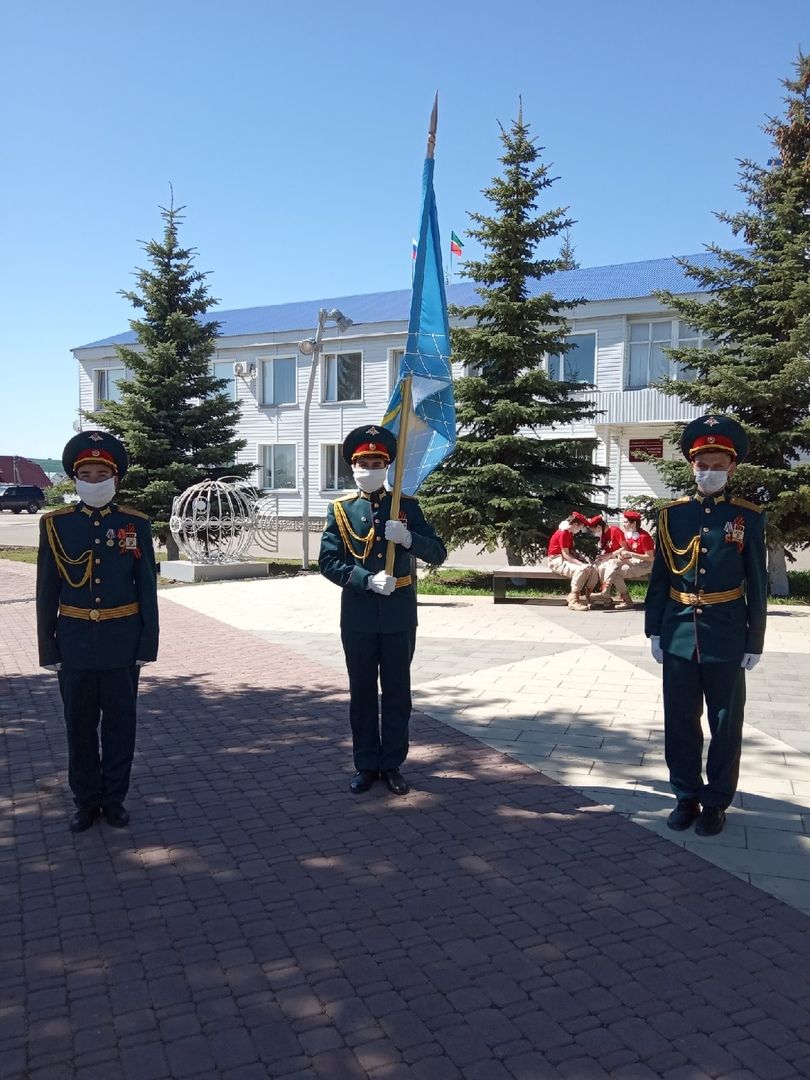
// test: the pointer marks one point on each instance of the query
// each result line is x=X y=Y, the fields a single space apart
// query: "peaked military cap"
x=714 y=433
x=95 y=446
x=370 y=439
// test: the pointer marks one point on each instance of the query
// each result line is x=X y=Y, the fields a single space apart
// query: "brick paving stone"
x=246 y=925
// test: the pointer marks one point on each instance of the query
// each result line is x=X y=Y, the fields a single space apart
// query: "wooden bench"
x=542 y=572
x=502 y=575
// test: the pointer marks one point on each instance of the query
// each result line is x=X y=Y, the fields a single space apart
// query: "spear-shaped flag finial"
x=434 y=119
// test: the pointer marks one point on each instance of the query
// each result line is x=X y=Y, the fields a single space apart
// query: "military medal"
x=128 y=540
x=110 y=537
x=735 y=532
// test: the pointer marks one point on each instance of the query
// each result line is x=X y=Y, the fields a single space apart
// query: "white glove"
x=656 y=650
x=750 y=660
x=399 y=533
x=381 y=583
x=52 y=667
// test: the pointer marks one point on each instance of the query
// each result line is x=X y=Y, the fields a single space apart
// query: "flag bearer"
x=377 y=611
x=97 y=623
x=705 y=617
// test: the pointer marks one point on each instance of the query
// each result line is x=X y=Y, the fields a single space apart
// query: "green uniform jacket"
x=715 y=545
x=91 y=560
x=353 y=548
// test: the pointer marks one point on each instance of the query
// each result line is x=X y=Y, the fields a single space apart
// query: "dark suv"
x=17 y=497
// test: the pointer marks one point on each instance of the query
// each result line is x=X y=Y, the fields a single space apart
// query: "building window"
x=278 y=467
x=648 y=361
x=394 y=365
x=108 y=384
x=343 y=377
x=223 y=369
x=336 y=475
x=578 y=364
x=690 y=338
x=278 y=381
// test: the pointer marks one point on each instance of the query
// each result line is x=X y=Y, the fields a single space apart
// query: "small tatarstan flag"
x=455 y=244
x=414 y=246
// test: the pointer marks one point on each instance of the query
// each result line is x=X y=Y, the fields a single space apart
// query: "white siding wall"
x=634 y=412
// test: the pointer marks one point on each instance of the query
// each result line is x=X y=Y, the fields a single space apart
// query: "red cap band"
x=368 y=449
x=712 y=442
x=100 y=457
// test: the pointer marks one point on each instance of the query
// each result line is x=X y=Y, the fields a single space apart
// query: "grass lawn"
x=462 y=582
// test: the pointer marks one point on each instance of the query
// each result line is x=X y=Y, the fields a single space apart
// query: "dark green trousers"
x=379 y=725
x=686 y=685
x=105 y=699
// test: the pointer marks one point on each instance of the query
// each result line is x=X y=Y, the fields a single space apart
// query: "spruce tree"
x=758 y=317
x=503 y=485
x=174 y=417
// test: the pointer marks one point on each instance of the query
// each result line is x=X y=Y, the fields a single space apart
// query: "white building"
x=619 y=329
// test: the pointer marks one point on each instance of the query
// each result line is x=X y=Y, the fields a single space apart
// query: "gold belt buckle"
x=95 y=614
x=694 y=598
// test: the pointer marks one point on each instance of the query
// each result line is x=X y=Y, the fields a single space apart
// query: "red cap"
x=576 y=516
x=632 y=515
x=597 y=519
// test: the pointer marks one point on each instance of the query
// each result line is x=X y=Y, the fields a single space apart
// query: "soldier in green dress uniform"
x=377 y=610
x=705 y=617
x=97 y=623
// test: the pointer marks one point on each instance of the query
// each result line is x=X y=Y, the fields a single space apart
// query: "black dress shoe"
x=711 y=821
x=83 y=819
x=396 y=782
x=116 y=815
x=362 y=780
x=684 y=814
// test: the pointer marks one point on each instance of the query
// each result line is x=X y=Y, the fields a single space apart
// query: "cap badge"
x=95 y=437
x=372 y=446
x=710 y=438
x=96 y=453
x=372 y=430
x=711 y=421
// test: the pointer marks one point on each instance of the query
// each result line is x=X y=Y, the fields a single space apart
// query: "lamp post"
x=313 y=347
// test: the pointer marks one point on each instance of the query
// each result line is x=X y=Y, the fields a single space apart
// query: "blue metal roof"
x=621 y=281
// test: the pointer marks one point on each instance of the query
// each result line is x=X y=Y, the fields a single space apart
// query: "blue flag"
x=432 y=426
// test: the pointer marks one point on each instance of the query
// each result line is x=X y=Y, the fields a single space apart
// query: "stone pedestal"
x=179 y=570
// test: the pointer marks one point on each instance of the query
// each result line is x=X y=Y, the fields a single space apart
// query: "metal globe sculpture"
x=265 y=516
x=213 y=521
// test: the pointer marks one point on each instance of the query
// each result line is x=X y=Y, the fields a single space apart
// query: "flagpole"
x=399 y=468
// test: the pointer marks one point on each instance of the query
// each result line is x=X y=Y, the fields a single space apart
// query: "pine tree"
x=503 y=485
x=177 y=423
x=758 y=316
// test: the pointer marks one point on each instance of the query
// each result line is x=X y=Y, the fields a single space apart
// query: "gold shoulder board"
x=133 y=511
x=347 y=498
x=676 y=502
x=735 y=501
x=60 y=510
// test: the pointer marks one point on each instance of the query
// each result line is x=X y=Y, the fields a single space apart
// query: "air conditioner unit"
x=239 y=368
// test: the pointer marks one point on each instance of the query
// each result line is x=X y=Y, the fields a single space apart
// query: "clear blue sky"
x=294 y=134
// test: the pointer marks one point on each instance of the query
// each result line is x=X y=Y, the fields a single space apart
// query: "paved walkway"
x=258 y=921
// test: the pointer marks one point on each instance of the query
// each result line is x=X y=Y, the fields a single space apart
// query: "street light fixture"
x=313 y=347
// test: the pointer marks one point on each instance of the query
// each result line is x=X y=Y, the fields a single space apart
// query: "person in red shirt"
x=611 y=539
x=565 y=559
x=632 y=561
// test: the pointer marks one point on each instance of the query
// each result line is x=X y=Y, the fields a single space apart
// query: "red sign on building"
x=650 y=447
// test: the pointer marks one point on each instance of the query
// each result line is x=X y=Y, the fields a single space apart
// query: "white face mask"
x=710 y=481
x=96 y=494
x=369 y=480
